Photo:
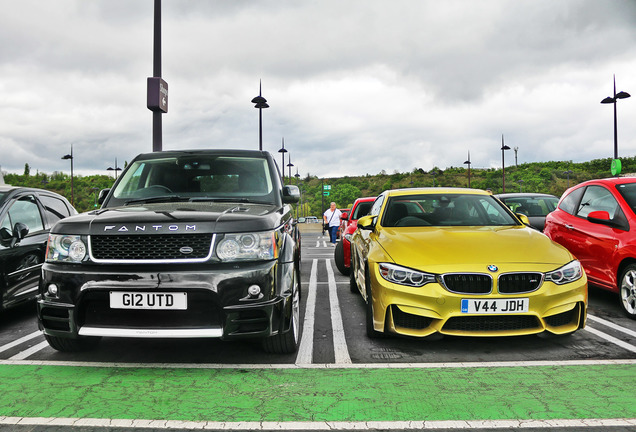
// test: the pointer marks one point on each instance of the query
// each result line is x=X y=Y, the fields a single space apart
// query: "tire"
x=288 y=341
x=338 y=257
x=72 y=345
x=353 y=285
x=627 y=290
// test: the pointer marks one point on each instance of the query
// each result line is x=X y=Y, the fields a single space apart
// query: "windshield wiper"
x=163 y=198
x=229 y=200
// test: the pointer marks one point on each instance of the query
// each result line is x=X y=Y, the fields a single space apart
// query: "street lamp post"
x=70 y=156
x=503 y=165
x=114 y=169
x=282 y=152
x=568 y=172
x=290 y=165
x=467 y=162
x=260 y=103
x=612 y=100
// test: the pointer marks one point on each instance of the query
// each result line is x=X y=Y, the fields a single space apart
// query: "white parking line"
x=29 y=352
x=306 y=348
x=612 y=325
x=20 y=341
x=612 y=339
x=322 y=426
x=339 y=341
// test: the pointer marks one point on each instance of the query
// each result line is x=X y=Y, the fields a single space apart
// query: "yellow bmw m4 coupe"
x=451 y=261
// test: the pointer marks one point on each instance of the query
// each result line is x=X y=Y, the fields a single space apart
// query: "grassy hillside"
x=546 y=177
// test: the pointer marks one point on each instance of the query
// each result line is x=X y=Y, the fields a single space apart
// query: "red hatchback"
x=348 y=224
x=595 y=221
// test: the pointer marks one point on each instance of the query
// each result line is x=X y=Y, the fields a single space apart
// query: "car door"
x=592 y=243
x=21 y=258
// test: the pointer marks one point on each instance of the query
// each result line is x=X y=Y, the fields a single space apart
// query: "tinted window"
x=24 y=210
x=362 y=209
x=55 y=208
x=597 y=198
x=531 y=206
x=628 y=192
x=570 y=203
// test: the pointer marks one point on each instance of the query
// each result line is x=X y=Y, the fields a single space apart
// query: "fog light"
x=52 y=290
x=254 y=291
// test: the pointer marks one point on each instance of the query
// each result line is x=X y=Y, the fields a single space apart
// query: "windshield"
x=531 y=205
x=445 y=210
x=197 y=178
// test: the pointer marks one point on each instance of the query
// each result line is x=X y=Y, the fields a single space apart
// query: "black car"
x=26 y=216
x=534 y=205
x=187 y=244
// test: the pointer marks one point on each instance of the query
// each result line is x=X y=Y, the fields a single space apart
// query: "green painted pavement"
x=297 y=394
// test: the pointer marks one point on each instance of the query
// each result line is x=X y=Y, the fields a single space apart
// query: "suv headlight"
x=66 y=248
x=566 y=274
x=247 y=246
x=405 y=276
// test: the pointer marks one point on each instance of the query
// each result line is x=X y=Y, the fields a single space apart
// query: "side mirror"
x=102 y=196
x=344 y=216
x=20 y=231
x=291 y=194
x=367 y=223
x=523 y=218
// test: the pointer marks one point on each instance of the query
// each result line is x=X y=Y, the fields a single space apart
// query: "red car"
x=348 y=224
x=595 y=221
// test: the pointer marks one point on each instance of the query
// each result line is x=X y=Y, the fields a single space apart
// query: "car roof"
x=216 y=152
x=435 y=190
x=523 y=194
x=364 y=199
x=610 y=180
x=9 y=188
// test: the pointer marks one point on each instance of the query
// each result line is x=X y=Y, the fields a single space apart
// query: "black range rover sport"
x=187 y=244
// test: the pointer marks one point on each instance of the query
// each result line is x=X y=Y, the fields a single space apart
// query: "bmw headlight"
x=405 y=276
x=66 y=248
x=566 y=274
x=247 y=246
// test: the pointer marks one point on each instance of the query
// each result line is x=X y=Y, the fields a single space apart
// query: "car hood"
x=447 y=249
x=174 y=218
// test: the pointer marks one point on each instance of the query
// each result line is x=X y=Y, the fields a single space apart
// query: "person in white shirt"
x=331 y=217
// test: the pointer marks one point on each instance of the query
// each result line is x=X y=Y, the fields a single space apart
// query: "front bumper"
x=218 y=305
x=423 y=311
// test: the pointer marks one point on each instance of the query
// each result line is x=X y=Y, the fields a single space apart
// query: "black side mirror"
x=102 y=196
x=291 y=194
x=20 y=231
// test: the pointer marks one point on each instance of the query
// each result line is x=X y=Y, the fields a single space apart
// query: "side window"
x=570 y=203
x=55 y=208
x=26 y=210
x=377 y=205
x=597 y=198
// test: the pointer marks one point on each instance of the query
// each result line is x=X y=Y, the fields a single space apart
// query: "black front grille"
x=410 y=321
x=150 y=247
x=515 y=283
x=468 y=283
x=202 y=312
x=492 y=323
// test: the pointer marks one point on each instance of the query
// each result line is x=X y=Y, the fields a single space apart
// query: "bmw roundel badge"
x=493 y=268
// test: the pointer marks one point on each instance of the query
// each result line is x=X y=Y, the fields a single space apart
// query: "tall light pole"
x=612 y=100
x=467 y=162
x=282 y=151
x=114 y=169
x=503 y=165
x=568 y=172
x=260 y=103
x=70 y=156
x=290 y=165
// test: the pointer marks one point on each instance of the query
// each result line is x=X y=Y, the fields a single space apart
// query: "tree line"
x=543 y=177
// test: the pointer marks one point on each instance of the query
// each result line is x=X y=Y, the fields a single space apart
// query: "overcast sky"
x=354 y=87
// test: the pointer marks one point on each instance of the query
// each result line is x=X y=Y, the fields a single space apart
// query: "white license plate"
x=148 y=300
x=495 y=306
